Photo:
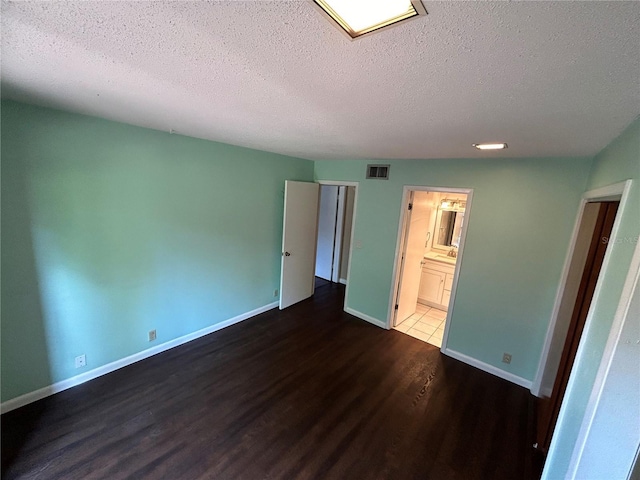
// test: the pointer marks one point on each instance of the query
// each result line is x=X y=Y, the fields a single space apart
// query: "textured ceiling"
x=548 y=78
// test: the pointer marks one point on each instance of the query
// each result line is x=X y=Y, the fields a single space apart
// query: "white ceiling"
x=548 y=78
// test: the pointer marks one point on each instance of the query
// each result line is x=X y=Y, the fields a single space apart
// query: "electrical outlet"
x=275 y=292
x=152 y=335
x=81 y=360
x=506 y=358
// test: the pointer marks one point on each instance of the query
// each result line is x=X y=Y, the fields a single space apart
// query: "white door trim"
x=353 y=228
x=617 y=191
x=400 y=245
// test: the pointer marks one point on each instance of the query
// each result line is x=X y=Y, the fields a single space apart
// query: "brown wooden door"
x=548 y=408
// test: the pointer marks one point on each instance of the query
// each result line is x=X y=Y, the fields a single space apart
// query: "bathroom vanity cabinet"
x=435 y=283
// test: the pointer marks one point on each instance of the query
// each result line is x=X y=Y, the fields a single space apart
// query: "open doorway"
x=300 y=238
x=591 y=246
x=430 y=246
x=335 y=220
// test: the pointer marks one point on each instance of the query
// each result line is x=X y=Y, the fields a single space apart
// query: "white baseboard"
x=123 y=362
x=427 y=303
x=367 y=318
x=488 y=368
x=343 y=281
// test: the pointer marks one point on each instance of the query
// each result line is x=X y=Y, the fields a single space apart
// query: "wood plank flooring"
x=307 y=393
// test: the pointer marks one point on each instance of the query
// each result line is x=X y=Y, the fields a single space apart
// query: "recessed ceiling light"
x=358 y=17
x=490 y=146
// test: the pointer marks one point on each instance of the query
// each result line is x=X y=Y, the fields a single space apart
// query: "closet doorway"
x=430 y=245
x=300 y=238
x=335 y=220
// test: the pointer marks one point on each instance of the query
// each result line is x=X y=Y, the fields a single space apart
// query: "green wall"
x=520 y=224
x=110 y=230
x=618 y=162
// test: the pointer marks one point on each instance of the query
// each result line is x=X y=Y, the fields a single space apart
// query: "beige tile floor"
x=426 y=324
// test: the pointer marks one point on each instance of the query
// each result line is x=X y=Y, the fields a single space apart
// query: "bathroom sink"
x=445 y=258
x=440 y=257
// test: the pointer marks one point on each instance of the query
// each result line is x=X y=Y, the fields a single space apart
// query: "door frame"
x=618 y=191
x=356 y=186
x=400 y=245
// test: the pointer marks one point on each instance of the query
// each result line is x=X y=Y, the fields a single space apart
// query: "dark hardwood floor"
x=310 y=393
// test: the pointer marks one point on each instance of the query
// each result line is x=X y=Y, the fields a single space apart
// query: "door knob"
x=287 y=254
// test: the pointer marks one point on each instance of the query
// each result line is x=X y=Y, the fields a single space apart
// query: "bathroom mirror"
x=448 y=229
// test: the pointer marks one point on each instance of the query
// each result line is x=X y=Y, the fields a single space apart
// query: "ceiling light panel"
x=490 y=146
x=358 y=17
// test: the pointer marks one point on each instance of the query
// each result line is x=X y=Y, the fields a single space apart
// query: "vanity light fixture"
x=455 y=205
x=489 y=146
x=359 y=17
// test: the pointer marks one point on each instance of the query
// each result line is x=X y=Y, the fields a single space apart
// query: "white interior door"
x=327 y=221
x=417 y=226
x=299 y=232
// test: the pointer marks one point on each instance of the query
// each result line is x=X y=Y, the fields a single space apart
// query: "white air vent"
x=381 y=172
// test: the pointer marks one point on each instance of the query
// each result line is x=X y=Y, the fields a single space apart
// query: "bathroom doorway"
x=430 y=244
